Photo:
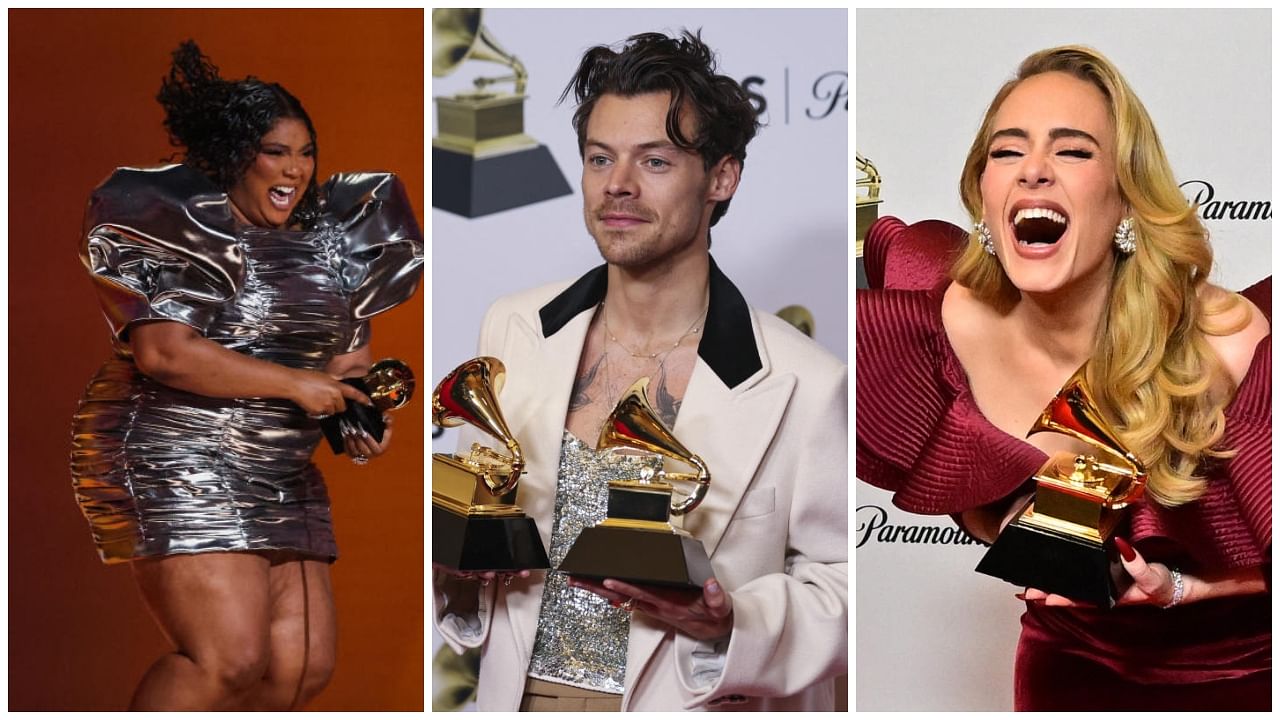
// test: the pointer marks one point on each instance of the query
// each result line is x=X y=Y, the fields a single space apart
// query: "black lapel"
x=727 y=346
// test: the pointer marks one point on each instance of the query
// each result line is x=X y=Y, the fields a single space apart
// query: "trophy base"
x=482 y=544
x=471 y=187
x=356 y=414
x=1080 y=569
x=638 y=556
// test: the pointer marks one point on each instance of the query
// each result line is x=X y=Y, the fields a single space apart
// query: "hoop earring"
x=1126 y=238
x=984 y=237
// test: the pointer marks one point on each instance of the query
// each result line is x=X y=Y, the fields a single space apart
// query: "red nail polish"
x=1126 y=550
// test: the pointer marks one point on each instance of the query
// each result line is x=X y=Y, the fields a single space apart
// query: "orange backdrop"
x=81 y=102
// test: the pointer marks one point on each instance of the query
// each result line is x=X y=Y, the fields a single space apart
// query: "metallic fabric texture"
x=159 y=471
x=582 y=640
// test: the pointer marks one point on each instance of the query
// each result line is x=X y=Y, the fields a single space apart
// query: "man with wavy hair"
x=663 y=141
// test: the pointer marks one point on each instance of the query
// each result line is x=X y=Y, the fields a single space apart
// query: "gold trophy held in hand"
x=389 y=385
x=636 y=542
x=475 y=524
x=1061 y=541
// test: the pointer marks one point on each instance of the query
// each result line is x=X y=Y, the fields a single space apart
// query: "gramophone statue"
x=481 y=159
x=389 y=384
x=475 y=523
x=636 y=541
x=1061 y=541
x=867 y=200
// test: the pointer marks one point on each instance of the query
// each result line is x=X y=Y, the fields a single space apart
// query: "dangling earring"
x=1126 y=239
x=984 y=237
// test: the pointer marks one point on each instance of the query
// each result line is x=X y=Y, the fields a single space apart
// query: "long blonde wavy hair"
x=1152 y=371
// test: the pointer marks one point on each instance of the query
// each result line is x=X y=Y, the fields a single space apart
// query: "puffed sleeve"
x=158 y=246
x=1249 y=434
x=919 y=432
x=382 y=243
x=1235 y=510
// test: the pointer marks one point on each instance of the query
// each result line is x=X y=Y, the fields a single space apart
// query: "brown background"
x=81 y=102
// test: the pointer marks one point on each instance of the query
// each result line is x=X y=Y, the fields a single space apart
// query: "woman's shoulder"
x=968 y=321
x=1233 y=327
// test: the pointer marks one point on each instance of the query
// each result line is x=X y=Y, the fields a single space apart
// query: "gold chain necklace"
x=694 y=329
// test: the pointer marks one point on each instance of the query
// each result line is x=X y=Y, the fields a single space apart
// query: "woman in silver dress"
x=238 y=291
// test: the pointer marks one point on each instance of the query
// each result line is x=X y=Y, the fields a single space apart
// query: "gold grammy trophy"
x=636 y=542
x=482 y=160
x=1061 y=541
x=867 y=202
x=389 y=385
x=475 y=523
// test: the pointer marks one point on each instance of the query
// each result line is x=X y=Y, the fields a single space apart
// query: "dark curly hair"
x=220 y=122
x=683 y=66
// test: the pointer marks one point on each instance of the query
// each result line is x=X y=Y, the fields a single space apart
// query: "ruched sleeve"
x=919 y=432
x=1249 y=435
x=158 y=246
x=1230 y=525
x=382 y=243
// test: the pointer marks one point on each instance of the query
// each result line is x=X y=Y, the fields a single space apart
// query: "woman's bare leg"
x=303 y=637
x=215 y=608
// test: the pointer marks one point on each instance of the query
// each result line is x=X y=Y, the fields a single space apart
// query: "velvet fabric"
x=920 y=434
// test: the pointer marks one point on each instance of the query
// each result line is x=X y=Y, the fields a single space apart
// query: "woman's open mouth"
x=1038 y=226
x=281 y=196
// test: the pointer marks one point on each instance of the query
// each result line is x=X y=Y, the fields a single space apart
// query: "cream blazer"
x=766 y=408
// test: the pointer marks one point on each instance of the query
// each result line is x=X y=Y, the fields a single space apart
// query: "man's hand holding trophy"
x=478 y=528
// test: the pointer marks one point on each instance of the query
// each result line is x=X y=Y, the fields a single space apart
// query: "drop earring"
x=1126 y=239
x=984 y=237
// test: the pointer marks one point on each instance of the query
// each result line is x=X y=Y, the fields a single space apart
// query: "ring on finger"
x=360 y=459
x=629 y=605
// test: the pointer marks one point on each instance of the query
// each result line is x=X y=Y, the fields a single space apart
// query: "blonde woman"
x=1084 y=251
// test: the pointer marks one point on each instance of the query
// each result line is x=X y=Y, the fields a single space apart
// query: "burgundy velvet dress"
x=921 y=435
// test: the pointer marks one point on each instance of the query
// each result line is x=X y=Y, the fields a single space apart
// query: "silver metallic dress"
x=159 y=471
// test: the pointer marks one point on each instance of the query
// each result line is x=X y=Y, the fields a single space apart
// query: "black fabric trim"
x=728 y=345
x=586 y=292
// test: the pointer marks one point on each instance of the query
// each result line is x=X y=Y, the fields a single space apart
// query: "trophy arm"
x=517 y=467
x=694 y=499
x=1132 y=493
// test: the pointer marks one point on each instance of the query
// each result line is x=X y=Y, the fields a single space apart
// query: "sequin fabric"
x=582 y=640
x=160 y=471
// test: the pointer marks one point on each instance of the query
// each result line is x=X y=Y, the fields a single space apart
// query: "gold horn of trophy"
x=482 y=160
x=867 y=202
x=636 y=542
x=389 y=385
x=475 y=524
x=1061 y=541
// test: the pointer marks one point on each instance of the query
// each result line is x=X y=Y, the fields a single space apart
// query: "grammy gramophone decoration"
x=1061 y=542
x=867 y=203
x=867 y=200
x=475 y=523
x=389 y=384
x=482 y=160
x=636 y=542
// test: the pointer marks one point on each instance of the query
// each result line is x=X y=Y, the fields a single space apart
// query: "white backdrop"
x=931 y=633
x=785 y=239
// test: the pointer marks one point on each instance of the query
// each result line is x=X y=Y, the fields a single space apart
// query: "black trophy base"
x=638 y=556
x=471 y=187
x=482 y=544
x=1080 y=569
x=356 y=414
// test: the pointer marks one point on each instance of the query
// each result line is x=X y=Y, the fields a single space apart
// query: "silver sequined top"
x=582 y=640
